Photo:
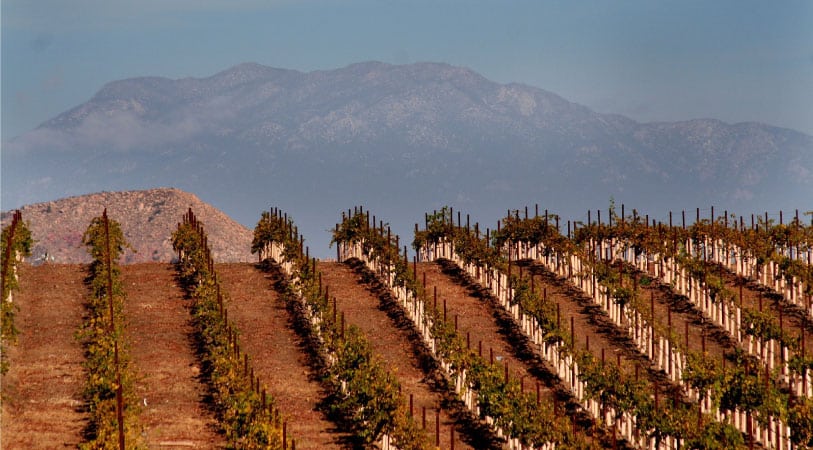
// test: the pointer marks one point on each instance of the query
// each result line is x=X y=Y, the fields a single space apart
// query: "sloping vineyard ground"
x=392 y=343
x=490 y=327
x=174 y=412
x=279 y=360
x=757 y=297
x=42 y=391
x=591 y=329
x=670 y=307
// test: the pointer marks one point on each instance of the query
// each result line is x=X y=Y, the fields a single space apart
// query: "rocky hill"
x=147 y=217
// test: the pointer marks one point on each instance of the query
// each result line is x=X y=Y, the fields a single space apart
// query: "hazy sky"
x=651 y=60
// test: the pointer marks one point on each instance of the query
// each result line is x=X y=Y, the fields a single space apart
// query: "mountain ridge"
x=401 y=138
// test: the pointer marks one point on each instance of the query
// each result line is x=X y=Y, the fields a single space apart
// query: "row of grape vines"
x=604 y=392
x=523 y=236
x=534 y=238
x=248 y=417
x=515 y=414
x=108 y=391
x=16 y=244
x=362 y=390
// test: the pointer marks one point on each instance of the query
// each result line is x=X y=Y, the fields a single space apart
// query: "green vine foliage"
x=703 y=374
x=192 y=265
x=745 y=387
x=763 y=325
x=534 y=230
x=16 y=241
x=734 y=387
x=515 y=411
x=271 y=228
x=468 y=243
x=606 y=382
x=100 y=339
x=362 y=391
x=370 y=399
x=244 y=420
x=715 y=436
x=801 y=423
x=375 y=243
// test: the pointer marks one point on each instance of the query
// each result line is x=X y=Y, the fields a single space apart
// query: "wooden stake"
x=437 y=427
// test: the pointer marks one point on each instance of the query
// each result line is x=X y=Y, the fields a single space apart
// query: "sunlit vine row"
x=110 y=375
x=518 y=413
x=247 y=416
x=16 y=244
x=605 y=382
x=362 y=391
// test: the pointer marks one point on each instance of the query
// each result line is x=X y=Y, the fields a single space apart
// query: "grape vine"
x=16 y=244
x=604 y=382
x=108 y=392
x=517 y=412
x=247 y=416
x=362 y=391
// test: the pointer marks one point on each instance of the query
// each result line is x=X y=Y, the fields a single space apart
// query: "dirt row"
x=391 y=340
x=277 y=352
x=491 y=332
x=160 y=337
x=757 y=297
x=175 y=412
x=42 y=399
x=41 y=391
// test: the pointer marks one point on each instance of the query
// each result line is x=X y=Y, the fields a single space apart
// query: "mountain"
x=400 y=139
x=147 y=219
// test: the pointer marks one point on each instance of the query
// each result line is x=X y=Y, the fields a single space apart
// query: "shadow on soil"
x=196 y=342
x=474 y=432
x=523 y=350
x=310 y=347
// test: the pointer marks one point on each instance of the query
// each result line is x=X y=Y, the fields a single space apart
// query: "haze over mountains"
x=401 y=140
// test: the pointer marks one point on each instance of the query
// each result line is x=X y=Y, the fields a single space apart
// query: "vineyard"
x=536 y=333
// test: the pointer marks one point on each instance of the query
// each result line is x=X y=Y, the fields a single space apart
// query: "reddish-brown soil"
x=481 y=322
x=487 y=325
x=757 y=297
x=392 y=340
x=173 y=412
x=591 y=329
x=687 y=322
x=42 y=391
x=276 y=352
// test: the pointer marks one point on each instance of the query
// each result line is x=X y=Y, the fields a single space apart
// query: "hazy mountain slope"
x=148 y=219
x=402 y=139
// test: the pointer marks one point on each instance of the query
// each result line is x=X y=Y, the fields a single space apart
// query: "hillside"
x=147 y=218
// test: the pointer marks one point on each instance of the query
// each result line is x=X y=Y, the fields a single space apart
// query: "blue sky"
x=651 y=60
